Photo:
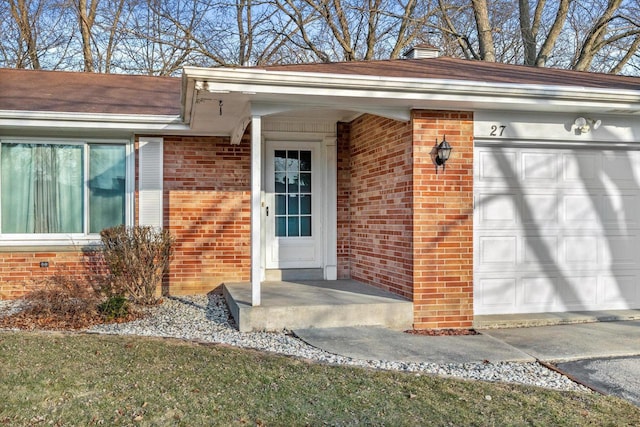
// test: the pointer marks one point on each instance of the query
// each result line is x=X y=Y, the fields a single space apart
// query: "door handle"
x=267 y=210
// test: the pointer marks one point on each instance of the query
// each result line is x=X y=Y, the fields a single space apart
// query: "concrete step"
x=316 y=304
x=275 y=275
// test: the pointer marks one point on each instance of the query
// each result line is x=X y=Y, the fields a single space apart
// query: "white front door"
x=293 y=198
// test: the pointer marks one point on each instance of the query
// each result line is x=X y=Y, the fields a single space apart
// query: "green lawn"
x=69 y=379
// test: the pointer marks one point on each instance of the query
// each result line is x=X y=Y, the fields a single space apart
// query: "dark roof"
x=60 y=91
x=461 y=69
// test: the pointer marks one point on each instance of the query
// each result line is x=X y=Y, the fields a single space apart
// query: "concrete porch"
x=316 y=304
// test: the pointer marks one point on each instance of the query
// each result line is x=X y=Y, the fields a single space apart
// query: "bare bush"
x=60 y=302
x=137 y=258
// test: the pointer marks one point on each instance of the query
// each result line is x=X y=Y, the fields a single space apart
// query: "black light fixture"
x=443 y=151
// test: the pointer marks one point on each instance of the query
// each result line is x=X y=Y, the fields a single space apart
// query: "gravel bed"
x=206 y=318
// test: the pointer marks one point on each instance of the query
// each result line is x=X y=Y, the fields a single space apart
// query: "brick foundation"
x=20 y=271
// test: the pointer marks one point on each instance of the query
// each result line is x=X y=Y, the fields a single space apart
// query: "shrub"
x=60 y=302
x=137 y=258
x=115 y=307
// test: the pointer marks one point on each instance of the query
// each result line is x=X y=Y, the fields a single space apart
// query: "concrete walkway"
x=603 y=355
x=546 y=343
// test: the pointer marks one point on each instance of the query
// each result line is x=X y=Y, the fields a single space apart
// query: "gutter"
x=134 y=122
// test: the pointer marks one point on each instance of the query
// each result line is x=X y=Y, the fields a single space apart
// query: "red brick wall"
x=207 y=209
x=379 y=203
x=20 y=272
x=344 y=201
x=403 y=227
x=443 y=222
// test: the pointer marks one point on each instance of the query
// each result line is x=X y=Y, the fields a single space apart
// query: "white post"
x=256 y=208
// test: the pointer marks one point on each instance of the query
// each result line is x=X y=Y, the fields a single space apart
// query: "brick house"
x=327 y=171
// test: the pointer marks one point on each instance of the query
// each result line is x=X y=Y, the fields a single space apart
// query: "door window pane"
x=280 y=159
x=293 y=204
x=293 y=226
x=292 y=182
x=305 y=204
x=305 y=183
x=281 y=205
x=279 y=180
x=305 y=226
x=292 y=179
x=305 y=161
x=281 y=226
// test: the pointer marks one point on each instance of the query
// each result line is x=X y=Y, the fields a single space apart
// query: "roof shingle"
x=59 y=91
x=466 y=70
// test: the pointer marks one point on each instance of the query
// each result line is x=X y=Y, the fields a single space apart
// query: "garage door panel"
x=539 y=167
x=618 y=167
x=618 y=210
x=498 y=250
x=500 y=165
x=579 y=250
x=498 y=293
x=619 y=290
x=578 y=291
x=564 y=235
x=580 y=209
x=580 y=168
x=540 y=208
x=539 y=250
x=498 y=209
x=539 y=291
x=620 y=250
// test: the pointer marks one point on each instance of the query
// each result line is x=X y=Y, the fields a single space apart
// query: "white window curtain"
x=41 y=188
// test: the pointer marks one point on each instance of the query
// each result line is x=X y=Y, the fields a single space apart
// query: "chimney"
x=421 y=51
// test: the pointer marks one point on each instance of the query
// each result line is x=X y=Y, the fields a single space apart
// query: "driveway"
x=619 y=376
x=604 y=356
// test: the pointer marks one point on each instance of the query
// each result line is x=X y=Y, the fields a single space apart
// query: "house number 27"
x=497 y=130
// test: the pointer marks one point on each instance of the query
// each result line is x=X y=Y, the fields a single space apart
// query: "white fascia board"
x=129 y=122
x=361 y=86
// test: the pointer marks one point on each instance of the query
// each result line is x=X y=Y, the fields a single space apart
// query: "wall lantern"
x=442 y=153
x=584 y=125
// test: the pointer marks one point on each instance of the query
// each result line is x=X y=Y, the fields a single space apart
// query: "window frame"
x=65 y=239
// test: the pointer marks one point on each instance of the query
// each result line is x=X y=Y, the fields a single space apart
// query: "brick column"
x=443 y=222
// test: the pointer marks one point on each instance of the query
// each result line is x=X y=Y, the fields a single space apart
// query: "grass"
x=76 y=379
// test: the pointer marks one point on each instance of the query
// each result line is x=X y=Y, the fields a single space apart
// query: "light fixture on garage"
x=441 y=153
x=584 y=124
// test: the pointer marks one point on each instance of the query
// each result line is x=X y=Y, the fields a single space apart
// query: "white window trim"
x=76 y=239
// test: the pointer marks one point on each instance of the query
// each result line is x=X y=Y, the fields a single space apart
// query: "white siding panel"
x=150 y=182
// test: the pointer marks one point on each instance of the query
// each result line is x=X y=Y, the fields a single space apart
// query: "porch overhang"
x=241 y=92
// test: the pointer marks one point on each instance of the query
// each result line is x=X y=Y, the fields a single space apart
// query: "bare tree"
x=485 y=33
x=349 y=30
x=161 y=36
x=86 y=12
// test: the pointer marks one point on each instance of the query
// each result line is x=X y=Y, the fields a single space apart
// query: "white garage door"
x=556 y=229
